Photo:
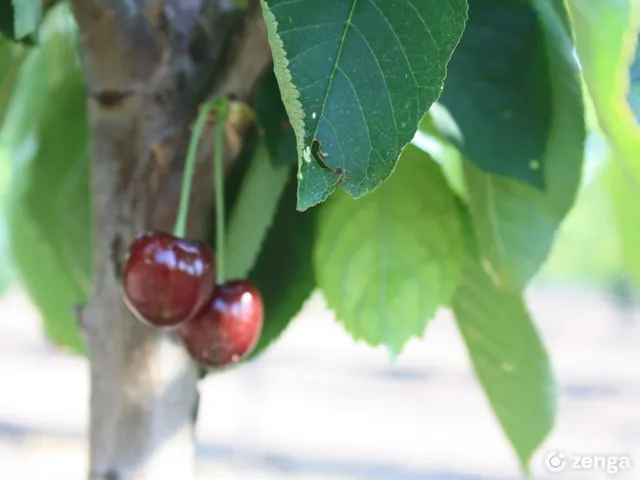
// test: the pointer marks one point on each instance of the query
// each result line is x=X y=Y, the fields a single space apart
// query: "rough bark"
x=148 y=65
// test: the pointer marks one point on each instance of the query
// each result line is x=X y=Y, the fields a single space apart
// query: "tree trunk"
x=147 y=66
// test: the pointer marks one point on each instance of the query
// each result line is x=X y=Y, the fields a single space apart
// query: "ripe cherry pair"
x=170 y=283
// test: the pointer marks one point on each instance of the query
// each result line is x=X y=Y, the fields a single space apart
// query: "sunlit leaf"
x=387 y=261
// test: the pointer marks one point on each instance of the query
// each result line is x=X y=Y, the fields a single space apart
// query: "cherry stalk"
x=229 y=327
x=168 y=279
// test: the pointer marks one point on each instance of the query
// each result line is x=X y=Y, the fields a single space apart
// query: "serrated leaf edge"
x=288 y=92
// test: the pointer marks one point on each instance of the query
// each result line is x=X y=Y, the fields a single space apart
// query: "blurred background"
x=317 y=406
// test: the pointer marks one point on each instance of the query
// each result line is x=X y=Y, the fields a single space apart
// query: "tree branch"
x=148 y=65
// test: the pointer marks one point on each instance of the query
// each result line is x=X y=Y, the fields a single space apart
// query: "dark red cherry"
x=228 y=329
x=167 y=280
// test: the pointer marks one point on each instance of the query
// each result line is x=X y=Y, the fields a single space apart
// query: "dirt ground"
x=319 y=407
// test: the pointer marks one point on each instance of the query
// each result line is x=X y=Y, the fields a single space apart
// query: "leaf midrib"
x=334 y=68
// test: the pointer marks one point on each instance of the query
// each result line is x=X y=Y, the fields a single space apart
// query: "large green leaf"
x=498 y=90
x=274 y=122
x=11 y=59
x=6 y=271
x=47 y=280
x=253 y=212
x=624 y=196
x=283 y=272
x=606 y=42
x=356 y=77
x=50 y=222
x=44 y=68
x=605 y=37
x=29 y=77
x=514 y=223
x=623 y=181
x=509 y=359
x=387 y=261
x=623 y=173
x=26 y=103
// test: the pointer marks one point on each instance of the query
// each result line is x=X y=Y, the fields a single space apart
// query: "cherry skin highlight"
x=228 y=329
x=167 y=280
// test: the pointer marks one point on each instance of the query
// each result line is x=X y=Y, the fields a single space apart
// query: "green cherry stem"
x=190 y=164
x=218 y=164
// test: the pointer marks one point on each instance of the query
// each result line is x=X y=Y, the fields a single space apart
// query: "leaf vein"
x=310 y=49
x=348 y=23
x=427 y=29
x=402 y=49
x=384 y=79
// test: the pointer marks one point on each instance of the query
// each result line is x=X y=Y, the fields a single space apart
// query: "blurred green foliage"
x=586 y=250
x=6 y=271
x=43 y=174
